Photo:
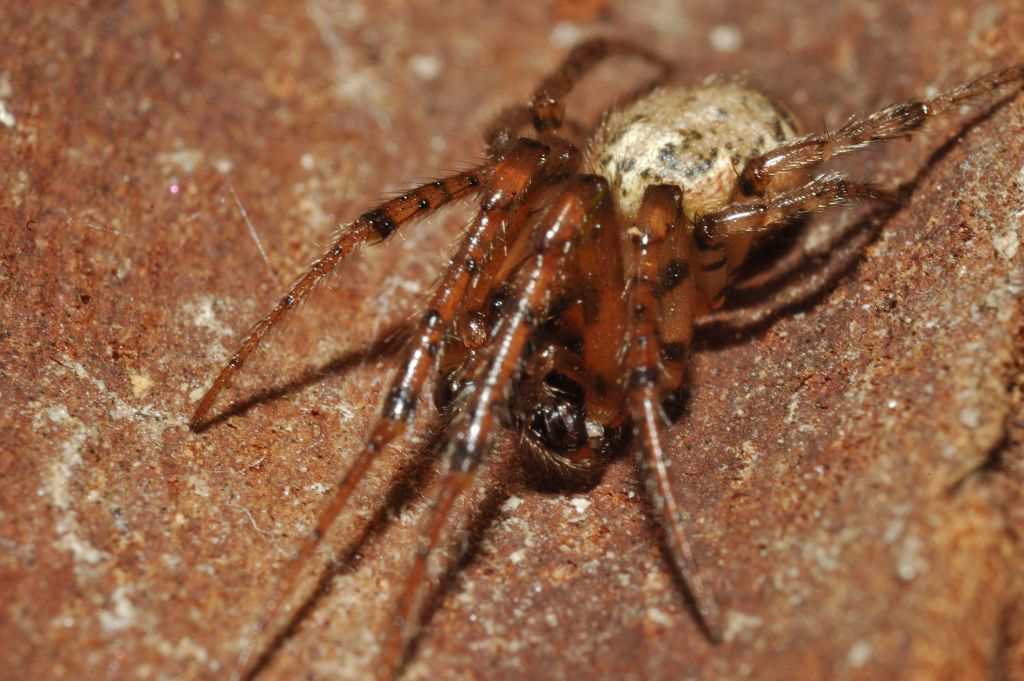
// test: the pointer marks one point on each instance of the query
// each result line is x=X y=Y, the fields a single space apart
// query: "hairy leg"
x=506 y=187
x=660 y=214
x=375 y=224
x=601 y=274
x=898 y=120
x=472 y=430
x=763 y=215
x=679 y=300
x=546 y=110
x=547 y=107
x=841 y=259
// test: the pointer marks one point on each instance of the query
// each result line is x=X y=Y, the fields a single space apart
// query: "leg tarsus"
x=891 y=122
x=763 y=215
x=377 y=223
x=660 y=213
x=672 y=517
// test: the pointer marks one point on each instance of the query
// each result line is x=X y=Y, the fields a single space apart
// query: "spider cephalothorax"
x=567 y=309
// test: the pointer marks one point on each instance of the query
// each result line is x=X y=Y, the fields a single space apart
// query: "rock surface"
x=854 y=467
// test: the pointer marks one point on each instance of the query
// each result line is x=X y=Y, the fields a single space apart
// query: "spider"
x=568 y=308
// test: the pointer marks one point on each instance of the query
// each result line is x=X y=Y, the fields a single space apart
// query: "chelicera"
x=568 y=308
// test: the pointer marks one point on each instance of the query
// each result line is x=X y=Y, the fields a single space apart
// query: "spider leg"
x=375 y=224
x=680 y=303
x=659 y=216
x=807 y=248
x=897 y=120
x=546 y=110
x=474 y=427
x=842 y=256
x=487 y=287
x=714 y=231
x=507 y=184
x=508 y=123
x=601 y=274
x=765 y=214
x=547 y=107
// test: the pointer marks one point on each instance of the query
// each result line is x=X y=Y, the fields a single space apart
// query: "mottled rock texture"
x=854 y=467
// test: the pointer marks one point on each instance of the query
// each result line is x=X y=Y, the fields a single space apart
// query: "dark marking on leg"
x=674 y=274
x=674 y=352
x=712 y=266
x=643 y=376
x=381 y=223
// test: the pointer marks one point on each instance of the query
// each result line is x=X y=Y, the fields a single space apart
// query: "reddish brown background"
x=855 y=469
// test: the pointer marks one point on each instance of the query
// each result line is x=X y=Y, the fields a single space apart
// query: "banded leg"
x=763 y=215
x=476 y=319
x=680 y=303
x=375 y=224
x=547 y=106
x=546 y=109
x=710 y=267
x=600 y=271
x=898 y=120
x=660 y=214
x=509 y=123
x=842 y=258
x=474 y=427
x=506 y=186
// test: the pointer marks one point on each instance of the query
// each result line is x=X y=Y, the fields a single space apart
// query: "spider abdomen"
x=695 y=138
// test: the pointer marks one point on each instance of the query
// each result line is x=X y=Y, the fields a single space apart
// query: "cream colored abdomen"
x=695 y=138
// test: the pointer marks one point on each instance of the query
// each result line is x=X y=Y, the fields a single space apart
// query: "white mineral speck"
x=185 y=160
x=425 y=66
x=6 y=117
x=566 y=34
x=910 y=562
x=859 y=654
x=658 y=616
x=738 y=623
x=517 y=556
x=317 y=487
x=1007 y=243
x=726 y=38
x=970 y=417
x=581 y=505
x=511 y=504
x=140 y=383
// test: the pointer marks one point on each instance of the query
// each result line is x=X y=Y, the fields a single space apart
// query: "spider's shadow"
x=719 y=336
x=406 y=488
x=388 y=343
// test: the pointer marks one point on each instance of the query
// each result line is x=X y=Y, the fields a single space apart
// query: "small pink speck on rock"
x=174 y=189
